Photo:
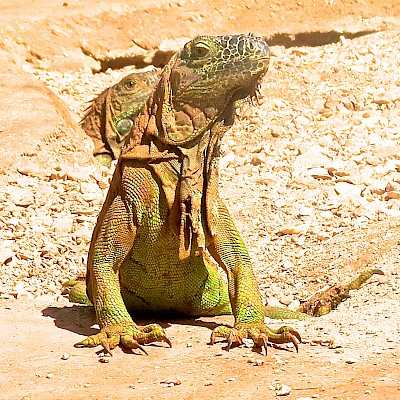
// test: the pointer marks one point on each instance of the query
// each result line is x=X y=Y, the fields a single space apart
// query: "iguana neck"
x=189 y=179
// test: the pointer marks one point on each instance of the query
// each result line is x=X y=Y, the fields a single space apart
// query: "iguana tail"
x=76 y=291
x=284 y=313
x=324 y=302
x=362 y=278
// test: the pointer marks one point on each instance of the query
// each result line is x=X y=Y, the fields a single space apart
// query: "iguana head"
x=128 y=98
x=111 y=115
x=202 y=82
x=214 y=69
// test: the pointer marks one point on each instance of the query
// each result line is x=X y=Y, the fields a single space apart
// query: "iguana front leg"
x=229 y=251
x=112 y=240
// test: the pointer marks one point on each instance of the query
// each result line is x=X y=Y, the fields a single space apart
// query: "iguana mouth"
x=252 y=92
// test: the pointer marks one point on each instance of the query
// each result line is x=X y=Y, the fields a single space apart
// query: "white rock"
x=302 y=120
x=311 y=158
x=62 y=225
x=6 y=253
x=377 y=186
x=327 y=215
x=347 y=189
x=306 y=211
x=227 y=160
x=284 y=390
x=273 y=302
x=294 y=305
x=286 y=300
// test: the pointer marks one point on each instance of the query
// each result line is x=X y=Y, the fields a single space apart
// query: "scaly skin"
x=163 y=217
x=111 y=116
x=324 y=302
x=76 y=291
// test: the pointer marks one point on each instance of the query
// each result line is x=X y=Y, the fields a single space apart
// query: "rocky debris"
x=46 y=222
x=171 y=382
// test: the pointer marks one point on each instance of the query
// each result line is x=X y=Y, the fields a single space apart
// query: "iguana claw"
x=106 y=346
x=128 y=342
x=259 y=333
x=166 y=340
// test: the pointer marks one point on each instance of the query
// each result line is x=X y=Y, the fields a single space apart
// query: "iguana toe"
x=285 y=334
x=128 y=342
x=95 y=340
x=152 y=333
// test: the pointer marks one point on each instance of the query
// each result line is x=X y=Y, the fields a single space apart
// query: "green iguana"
x=163 y=218
x=111 y=115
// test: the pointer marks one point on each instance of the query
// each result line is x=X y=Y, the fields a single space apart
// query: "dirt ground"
x=311 y=176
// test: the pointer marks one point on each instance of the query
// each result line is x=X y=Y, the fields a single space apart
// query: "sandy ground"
x=333 y=87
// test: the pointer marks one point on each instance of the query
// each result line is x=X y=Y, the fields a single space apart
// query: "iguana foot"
x=129 y=337
x=259 y=333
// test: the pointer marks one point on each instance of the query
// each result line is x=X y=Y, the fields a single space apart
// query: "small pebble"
x=284 y=390
x=171 y=382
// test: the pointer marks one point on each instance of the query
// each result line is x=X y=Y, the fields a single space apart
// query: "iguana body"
x=111 y=116
x=163 y=217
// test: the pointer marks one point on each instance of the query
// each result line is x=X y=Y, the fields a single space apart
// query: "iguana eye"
x=200 y=50
x=130 y=84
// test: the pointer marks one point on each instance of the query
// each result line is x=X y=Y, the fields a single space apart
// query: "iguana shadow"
x=80 y=319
